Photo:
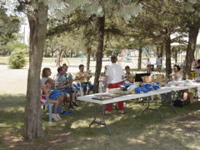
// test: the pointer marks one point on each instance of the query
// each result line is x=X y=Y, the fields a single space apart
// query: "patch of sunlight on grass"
x=14 y=109
x=5 y=125
x=193 y=146
x=117 y=119
x=62 y=125
x=179 y=130
x=80 y=123
x=135 y=141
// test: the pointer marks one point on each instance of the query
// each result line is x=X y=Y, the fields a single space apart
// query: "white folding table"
x=89 y=98
x=162 y=90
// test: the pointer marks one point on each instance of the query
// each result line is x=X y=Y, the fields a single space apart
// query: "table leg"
x=154 y=109
x=102 y=121
x=171 y=103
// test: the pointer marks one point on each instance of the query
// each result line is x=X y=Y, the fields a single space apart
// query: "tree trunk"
x=175 y=54
x=157 y=50
x=193 y=33
x=168 y=54
x=58 y=57
x=140 y=59
x=99 y=54
x=161 y=51
x=37 y=18
x=88 y=57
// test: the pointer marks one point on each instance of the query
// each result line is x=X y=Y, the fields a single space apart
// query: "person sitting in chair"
x=84 y=77
x=46 y=73
x=129 y=77
x=63 y=85
x=177 y=74
x=148 y=70
x=68 y=76
x=56 y=99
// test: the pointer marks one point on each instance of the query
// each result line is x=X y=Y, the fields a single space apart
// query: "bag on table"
x=147 y=79
x=157 y=79
x=139 y=90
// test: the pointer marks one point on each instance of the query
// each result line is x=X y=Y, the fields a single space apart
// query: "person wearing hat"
x=129 y=78
x=114 y=78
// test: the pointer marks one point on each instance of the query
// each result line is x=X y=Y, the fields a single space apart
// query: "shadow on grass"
x=130 y=131
x=133 y=130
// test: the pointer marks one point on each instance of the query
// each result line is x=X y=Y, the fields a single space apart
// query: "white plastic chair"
x=81 y=89
x=101 y=87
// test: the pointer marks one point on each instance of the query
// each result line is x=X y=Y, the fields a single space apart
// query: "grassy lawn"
x=130 y=131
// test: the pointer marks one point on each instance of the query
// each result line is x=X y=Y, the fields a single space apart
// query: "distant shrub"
x=17 y=59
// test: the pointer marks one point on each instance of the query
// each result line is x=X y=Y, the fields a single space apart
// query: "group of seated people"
x=62 y=89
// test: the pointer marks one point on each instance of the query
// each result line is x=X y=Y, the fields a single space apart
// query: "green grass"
x=3 y=60
x=130 y=131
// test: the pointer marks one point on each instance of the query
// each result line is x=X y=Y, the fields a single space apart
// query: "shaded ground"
x=129 y=131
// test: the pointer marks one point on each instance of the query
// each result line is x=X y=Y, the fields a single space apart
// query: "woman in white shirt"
x=114 y=78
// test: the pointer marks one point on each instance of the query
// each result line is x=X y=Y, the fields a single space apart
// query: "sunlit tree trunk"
x=193 y=33
x=99 y=54
x=58 y=57
x=37 y=18
x=140 y=59
x=88 y=57
x=168 y=54
x=161 y=51
x=175 y=54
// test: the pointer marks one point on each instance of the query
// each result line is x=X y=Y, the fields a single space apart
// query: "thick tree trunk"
x=88 y=57
x=193 y=33
x=168 y=55
x=99 y=54
x=140 y=59
x=37 y=18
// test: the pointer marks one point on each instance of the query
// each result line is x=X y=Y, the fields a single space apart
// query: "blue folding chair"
x=50 y=107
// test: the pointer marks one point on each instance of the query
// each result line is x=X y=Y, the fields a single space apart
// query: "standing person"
x=114 y=78
x=197 y=69
x=159 y=63
x=84 y=78
x=148 y=61
x=102 y=78
x=194 y=64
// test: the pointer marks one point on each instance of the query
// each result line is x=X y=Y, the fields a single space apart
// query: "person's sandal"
x=67 y=112
x=106 y=113
x=121 y=112
x=75 y=104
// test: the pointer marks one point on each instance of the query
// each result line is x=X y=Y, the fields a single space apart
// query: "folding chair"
x=49 y=105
